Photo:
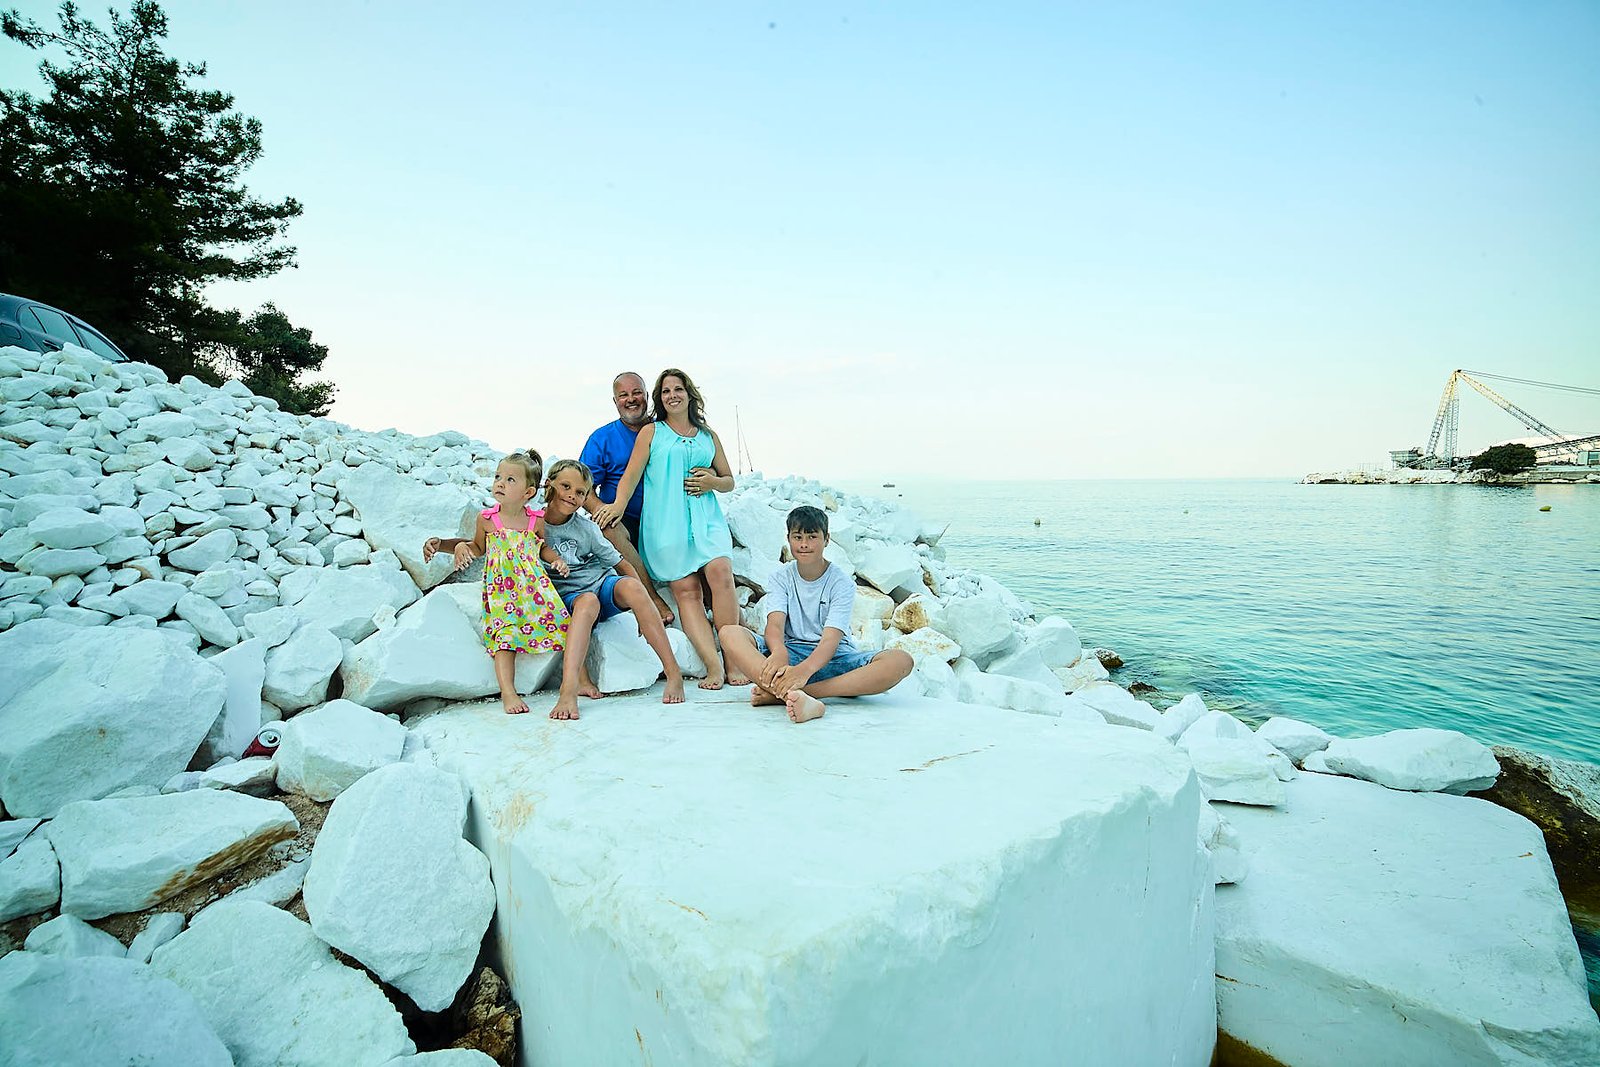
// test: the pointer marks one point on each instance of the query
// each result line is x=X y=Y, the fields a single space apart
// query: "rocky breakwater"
x=1009 y=857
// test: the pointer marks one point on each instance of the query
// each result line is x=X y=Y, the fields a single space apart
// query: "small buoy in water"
x=1036 y=522
x=1545 y=508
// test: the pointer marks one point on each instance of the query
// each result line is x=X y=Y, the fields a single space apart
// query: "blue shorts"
x=606 y=594
x=843 y=662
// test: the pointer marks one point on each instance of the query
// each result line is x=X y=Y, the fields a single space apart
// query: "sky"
x=975 y=241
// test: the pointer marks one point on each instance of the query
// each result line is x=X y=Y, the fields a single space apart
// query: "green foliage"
x=122 y=197
x=1505 y=459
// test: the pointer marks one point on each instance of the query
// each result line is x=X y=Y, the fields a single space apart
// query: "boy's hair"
x=531 y=462
x=807 y=519
x=562 y=465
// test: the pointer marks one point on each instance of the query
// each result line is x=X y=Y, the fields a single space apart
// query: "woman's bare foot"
x=674 y=693
x=566 y=708
x=514 y=704
x=590 y=690
x=761 y=698
x=803 y=708
x=712 y=681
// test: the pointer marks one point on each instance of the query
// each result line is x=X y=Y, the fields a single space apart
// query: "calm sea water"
x=1357 y=608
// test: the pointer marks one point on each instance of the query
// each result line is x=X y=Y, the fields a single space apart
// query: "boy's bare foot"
x=674 y=693
x=760 y=698
x=566 y=708
x=803 y=708
x=514 y=704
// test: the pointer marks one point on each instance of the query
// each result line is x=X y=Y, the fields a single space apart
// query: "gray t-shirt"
x=590 y=557
x=811 y=606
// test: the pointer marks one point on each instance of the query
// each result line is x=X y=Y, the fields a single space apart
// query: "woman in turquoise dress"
x=683 y=534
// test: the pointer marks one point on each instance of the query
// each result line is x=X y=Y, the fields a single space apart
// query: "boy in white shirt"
x=806 y=653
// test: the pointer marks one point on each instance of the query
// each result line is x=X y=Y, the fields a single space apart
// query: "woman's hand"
x=701 y=480
x=606 y=515
x=429 y=547
x=463 y=555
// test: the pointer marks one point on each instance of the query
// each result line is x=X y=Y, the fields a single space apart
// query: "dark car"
x=41 y=328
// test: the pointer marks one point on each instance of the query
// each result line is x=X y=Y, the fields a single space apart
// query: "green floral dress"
x=521 y=610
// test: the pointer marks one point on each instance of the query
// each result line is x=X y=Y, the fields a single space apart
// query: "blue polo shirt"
x=606 y=454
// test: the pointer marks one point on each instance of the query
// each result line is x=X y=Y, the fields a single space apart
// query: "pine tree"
x=122 y=197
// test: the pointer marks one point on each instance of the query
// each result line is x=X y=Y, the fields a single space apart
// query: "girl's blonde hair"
x=561 y=466
x=530 y=461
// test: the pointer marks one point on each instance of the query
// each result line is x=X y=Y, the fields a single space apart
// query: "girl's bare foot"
x=566 y=708
x=712 y=681
x=737 y=679
x=760 y=698
x=674 y=693
x=514 y=704
x=803 y=708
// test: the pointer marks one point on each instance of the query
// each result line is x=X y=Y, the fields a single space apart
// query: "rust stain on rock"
x=219 y=863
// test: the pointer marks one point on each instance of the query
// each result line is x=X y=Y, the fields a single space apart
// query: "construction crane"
x=1441 y=450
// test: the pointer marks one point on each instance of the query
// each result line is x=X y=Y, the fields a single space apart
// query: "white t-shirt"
x=811 y=606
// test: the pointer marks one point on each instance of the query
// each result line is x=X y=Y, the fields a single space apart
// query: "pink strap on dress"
x=493 y=515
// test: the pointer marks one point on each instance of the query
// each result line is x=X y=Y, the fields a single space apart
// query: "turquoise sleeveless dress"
x=679 y=533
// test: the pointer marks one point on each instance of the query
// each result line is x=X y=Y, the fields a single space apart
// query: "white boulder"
x=619 y=659
x=207 y=552
x=159 y=928
x=980 y=624
x=926 y=643
x=1020 y=694
x=1424 y=760
x=1388 y=927
x=298 y=671
x=1056 y=641
x=1027 y=663
x=1293 y=738
x=1182 y=715
x=131 y=853
x=343 y=602
x=887 y=566
x=1117 y=706
x=75 y=726
x=242 y=959
x=434 y=649
x=70 y=528
x=30 y=879
x=326 y=750
x=1087 y=669
x=400 y=513
x=244 y=666
x=13 y=832
x=393 y=883
x=916 y=612
x=975 y=849
x=1235 y=770
x=68 y=935
x=58 y=1011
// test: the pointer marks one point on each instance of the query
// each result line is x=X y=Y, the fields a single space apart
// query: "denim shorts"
x=843 y=662
x=605 y=592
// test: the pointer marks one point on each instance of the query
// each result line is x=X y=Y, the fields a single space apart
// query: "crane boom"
x=1527 y=420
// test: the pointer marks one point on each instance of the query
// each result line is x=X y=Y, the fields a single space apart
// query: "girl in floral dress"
x=521 y=611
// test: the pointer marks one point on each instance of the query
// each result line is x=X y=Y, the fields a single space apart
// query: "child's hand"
x=773 y=671
x=559 y=565
x=429 y=548
x=463 y=555
x=794 y=677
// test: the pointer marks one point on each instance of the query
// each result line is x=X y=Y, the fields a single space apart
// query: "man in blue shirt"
x=606 y=454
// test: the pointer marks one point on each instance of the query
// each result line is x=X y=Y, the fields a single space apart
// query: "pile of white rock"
x=182 y=565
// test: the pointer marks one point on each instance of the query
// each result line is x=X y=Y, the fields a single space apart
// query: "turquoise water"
x=1357 y=608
